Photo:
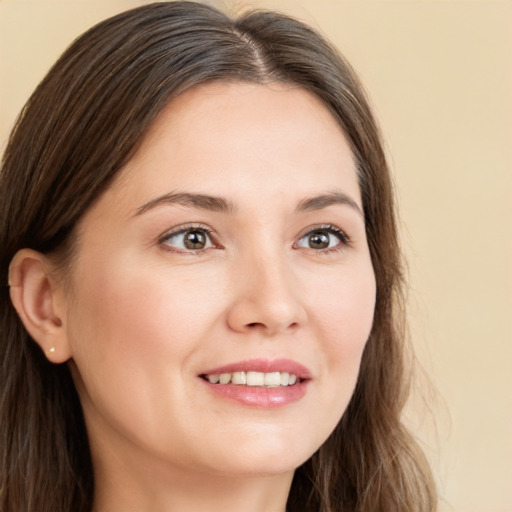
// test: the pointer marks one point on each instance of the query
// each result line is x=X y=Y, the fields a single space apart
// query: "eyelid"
x=343 y=237
x=178 y=230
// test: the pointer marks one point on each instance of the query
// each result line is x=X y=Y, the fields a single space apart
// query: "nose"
x=267 y=299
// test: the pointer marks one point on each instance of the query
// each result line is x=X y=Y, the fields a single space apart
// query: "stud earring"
x=51 y=350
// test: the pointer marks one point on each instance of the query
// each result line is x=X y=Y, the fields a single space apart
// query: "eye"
x=189 y=239
x=323 y=238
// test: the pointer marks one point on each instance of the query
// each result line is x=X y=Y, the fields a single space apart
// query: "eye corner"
x=324 y=233
x=175 y=240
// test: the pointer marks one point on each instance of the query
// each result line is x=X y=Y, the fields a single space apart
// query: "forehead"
x=243 y=137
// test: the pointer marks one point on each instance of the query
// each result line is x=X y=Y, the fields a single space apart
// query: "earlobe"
x=33 y=291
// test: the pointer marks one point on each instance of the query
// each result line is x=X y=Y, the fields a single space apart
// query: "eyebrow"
x=201 y=201
x=221 y=205
x=325 y=200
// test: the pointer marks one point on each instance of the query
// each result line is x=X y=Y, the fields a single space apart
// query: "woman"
x=203 y=300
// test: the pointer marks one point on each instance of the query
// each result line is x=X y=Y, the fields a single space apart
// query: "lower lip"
x=256 y=396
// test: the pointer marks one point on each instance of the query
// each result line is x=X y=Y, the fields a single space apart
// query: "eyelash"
x=344 y=240
x=186 y=229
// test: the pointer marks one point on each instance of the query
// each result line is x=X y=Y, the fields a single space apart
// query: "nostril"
x=255 y=325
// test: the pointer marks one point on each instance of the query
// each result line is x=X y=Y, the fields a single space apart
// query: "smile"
x=260 y=383
x=251 y=378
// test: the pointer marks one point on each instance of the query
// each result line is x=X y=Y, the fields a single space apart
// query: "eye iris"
x=195 y=240
x=319 y=240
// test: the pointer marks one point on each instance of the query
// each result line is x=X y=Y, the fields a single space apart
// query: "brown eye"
x=189 y=240
x=319 y=240
x=194 y=239
x=323 y=238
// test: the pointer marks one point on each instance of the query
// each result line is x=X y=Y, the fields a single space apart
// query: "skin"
x=141 y=316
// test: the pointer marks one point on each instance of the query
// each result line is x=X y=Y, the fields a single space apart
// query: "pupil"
x=319 y=240
x=195 y=240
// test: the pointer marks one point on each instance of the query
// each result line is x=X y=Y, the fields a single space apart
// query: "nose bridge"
x=267 y=297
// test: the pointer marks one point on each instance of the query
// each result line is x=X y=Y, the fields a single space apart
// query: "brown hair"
x=83 y=122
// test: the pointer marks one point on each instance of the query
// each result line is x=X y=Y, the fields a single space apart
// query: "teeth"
x=225 y=378
x=255 y=379
x=271 y=380
x=238 y=378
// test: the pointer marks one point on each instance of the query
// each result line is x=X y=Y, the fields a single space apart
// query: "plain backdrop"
x=440 y=77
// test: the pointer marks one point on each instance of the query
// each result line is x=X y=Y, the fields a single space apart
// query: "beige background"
x=440 y=75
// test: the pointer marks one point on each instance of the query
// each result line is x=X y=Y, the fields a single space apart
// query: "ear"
x=37 y=298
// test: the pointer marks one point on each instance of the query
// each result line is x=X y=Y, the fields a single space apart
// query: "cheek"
x=344 y=320
x=345 y=310
x=132 y=338
x=125 y=310
x=135 y=333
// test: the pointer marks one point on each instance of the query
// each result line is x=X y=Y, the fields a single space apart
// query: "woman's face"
x=231 y=247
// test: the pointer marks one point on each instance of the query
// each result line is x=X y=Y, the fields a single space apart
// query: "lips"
x=263 y=366
x=259 y=382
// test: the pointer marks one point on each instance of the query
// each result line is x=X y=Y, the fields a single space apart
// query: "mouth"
x=259 y=382
x=260 y=379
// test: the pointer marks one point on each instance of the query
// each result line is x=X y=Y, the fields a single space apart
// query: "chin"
x=258 y=469
x=265 y=459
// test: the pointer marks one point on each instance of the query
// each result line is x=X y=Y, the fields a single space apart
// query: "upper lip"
x=263 y=366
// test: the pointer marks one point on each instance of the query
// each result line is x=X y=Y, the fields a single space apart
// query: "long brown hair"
x=77 y=130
